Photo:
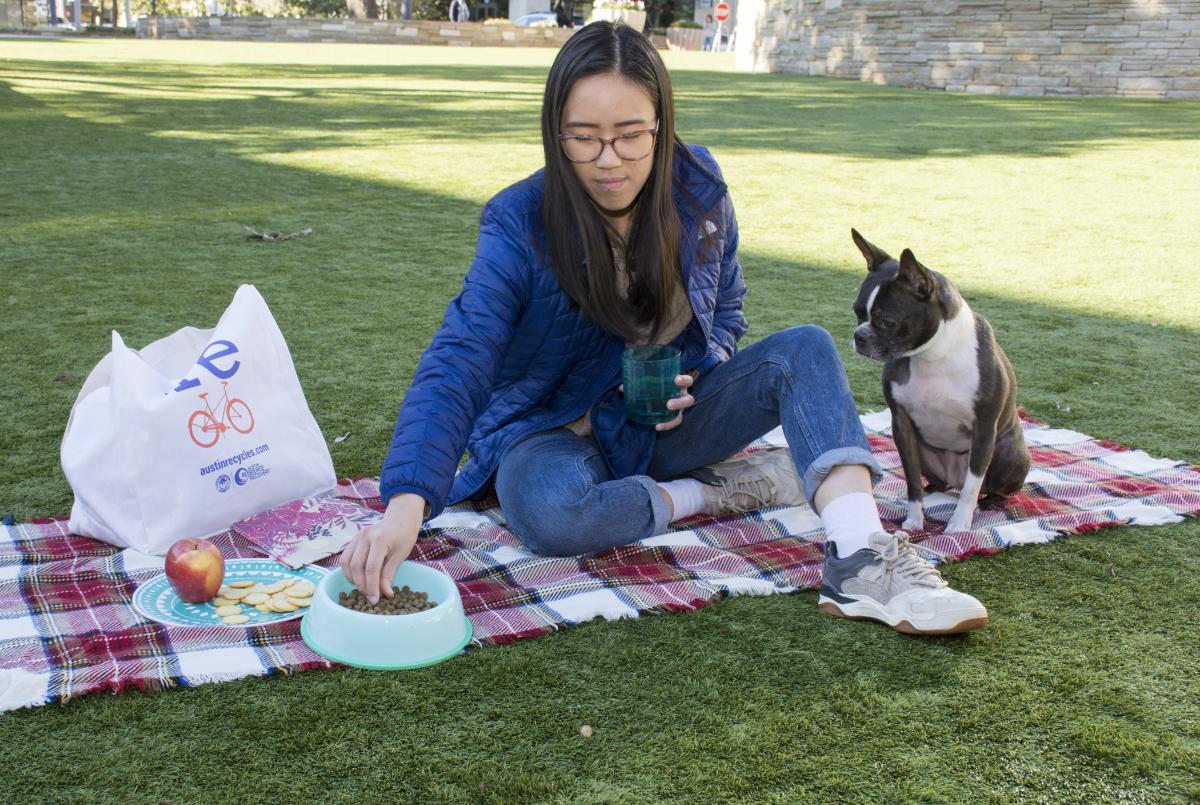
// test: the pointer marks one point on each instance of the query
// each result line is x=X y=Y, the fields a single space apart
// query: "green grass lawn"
x=127 y=172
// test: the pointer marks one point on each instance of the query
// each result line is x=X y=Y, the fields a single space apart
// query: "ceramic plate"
x=157 y=600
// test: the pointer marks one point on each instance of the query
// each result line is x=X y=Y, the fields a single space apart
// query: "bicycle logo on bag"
x=205 y=426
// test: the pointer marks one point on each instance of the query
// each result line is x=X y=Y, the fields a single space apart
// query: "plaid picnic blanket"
x=67 y=626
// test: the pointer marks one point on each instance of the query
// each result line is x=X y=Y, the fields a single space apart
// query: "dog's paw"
x=915 y=521
x=960 y=522
x=993 y=501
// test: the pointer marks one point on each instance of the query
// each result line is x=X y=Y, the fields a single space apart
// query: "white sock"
x=687 y=495
x=849 y=519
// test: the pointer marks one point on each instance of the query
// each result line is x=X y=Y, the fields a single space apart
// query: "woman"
x=628 y=236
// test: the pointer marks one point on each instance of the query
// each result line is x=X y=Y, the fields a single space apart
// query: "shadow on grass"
x=121 y=229
x=121 y=226
x=1076 y=370
x=737 y=110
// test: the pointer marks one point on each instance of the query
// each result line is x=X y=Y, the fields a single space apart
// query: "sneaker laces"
x=749 y=482
x=901 y=558
x=737 y=491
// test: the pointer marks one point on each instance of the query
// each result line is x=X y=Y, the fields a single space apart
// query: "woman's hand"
x=684 y=400
x=371 y=558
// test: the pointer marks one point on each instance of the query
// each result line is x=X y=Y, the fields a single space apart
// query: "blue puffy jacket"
x=515 y=356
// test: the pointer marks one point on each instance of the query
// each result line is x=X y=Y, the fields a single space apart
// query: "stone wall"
x=291 y=29
x=1016 y=47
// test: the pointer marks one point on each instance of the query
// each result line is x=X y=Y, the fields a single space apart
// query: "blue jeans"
x=559 y=498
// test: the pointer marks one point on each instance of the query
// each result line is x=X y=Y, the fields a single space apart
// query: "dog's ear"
x=915 y=275
x=874 y=255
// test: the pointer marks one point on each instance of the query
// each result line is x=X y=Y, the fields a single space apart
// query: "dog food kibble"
x=403 y=602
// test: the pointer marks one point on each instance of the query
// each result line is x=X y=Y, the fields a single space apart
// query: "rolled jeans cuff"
x=662 y=513
x=819 y=470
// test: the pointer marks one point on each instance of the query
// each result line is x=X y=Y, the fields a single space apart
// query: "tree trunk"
x=363 y=9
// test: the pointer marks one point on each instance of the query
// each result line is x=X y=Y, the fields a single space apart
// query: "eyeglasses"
x=631 y=147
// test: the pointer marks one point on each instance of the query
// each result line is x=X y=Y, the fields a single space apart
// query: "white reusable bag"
x=192 y=433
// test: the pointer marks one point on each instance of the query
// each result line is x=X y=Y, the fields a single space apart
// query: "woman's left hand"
x=683 y=401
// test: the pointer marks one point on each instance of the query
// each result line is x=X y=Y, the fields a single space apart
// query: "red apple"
x=195 y=569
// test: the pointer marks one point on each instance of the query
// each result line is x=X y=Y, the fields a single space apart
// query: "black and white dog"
x=949 y=385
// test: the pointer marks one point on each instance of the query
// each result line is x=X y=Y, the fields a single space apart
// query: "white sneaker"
x=765 y=478
x=892 y=583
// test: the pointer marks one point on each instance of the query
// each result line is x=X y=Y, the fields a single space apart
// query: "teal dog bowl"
x=388 y=642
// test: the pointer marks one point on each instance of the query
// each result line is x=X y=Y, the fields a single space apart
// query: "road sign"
x=722 y=12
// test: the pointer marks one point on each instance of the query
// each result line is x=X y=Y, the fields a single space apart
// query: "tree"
x=318 y=8
x=661 y=13
x=167 y=8
x=431 y=10
x=363 y=9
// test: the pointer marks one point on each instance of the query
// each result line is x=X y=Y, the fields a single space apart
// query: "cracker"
x=236 y=595
x=302 y=589
x=234 y=620
x=288 y=582
x=241 y=584
x=302 y=602
x=283 y=606
x=229 y=610
x=255 y=598
x=220 y=601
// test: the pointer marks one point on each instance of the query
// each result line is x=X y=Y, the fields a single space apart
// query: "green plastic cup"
x=649 y=372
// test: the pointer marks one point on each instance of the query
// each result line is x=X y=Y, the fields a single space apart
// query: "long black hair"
x=579 y=242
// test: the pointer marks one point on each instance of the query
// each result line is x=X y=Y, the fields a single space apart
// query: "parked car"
x=546 y=18
x=535 y=18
